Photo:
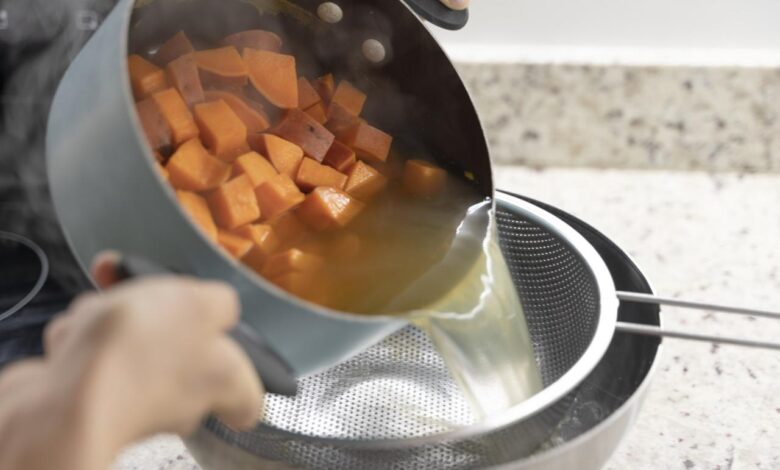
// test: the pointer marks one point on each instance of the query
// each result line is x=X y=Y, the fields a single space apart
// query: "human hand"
x=147 y=356
x=456 y=4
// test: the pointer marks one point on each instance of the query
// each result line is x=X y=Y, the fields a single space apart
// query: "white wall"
x=739 y=32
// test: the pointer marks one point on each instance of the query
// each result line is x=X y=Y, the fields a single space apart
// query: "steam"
x=38 y=39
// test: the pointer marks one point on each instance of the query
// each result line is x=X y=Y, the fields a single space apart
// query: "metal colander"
x=396 y=406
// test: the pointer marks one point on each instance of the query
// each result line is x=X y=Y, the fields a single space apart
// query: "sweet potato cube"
x=154 y=125
x=145 y=77
x=192 y=168
x=278 y=195
x=312 y=174
x=222 y=66
x=175 y=47
x=254 y=121
x=258 y=169
x=364 y=182
x=262 y=236
x=306 y=285
x=328 y=208
x=368 y=142
x=325 y=86
x=183 y=75
x=307 y=95
x=221 y=129
x=340 y=157
x=273 y=76
x=423 y=179
x=284 y=156
x=234 y=204
x=254 y=39
x=349 y=97
x=302 y=130
x=237 y=246
x=340 y=120
x=198 y=209
x=288 y=228
x=292 y=260
x=177 y=115
x=318 y=113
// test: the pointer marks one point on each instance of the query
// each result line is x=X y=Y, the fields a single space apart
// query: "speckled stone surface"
x=629 y=117
x=700 y=236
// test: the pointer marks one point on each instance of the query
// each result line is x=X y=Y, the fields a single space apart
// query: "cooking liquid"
x=433 y=262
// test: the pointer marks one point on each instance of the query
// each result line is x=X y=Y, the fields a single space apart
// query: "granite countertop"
x=699 y=236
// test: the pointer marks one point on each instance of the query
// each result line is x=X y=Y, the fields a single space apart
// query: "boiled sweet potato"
x=349 y=97
x=340 y=157
x=258 y=169
x=183 y=75
x=328 y=208
x=370 y=143
x=222 y=66
x=198 y=209
x=154 y=125
x=364 y=182
x=177 y=115
x=292 y=260
x=312 y=174
x=223 y=132
x=234 y=203
x=318 y=113
x=341 y=121
x=254 y=39
x=273 y=76
x=307 y=95
x=325 y=86
x=277 y=196
x=288 y=229
x=191 y=168
x=237 y=246
x=145 y=77
x=284 y=156
x=301 y=129
x=423 y=179
x=175 y=47
x=254 y=120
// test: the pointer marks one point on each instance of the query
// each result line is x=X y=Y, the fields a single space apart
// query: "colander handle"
x=642 y=329
x=278 y=377
x=438 y=14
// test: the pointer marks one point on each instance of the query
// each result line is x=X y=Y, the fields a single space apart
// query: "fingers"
x=55 y=333
x=218 y=304
x=104 y=269
x=456 y=4
x=237 y=391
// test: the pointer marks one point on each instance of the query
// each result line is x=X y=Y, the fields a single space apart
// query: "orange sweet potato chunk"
x=340 y=120
x=301 y=129
x=198 y=210
x=368 y=142
x=273 y=76
x=237 y=246
x=254 y=39
x=423 y=179
x=292 y=260
x=318 y=113
x=284 y=156
x=183 y=75
x=364 y=182
x=312 y=174
x=349 y=97
x=191 y=168
x=258 y=169
x=223 y=132
x=145 y=77
x=254 y=121
x=177 y=115
x=234 y=204
x=175 y=47
x=325 y=86
x=307 y=95
x=277 y=196
x=328 y=208
x=340 y=157
x=262 y=236
x=288 y=228
x=154 y=125
x=222 y=66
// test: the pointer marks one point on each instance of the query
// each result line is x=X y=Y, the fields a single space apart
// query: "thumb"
x=456 y=4
x=103 y=269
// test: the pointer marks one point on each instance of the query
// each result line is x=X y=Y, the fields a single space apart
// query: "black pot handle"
x=278 y=377
x=438 y=14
